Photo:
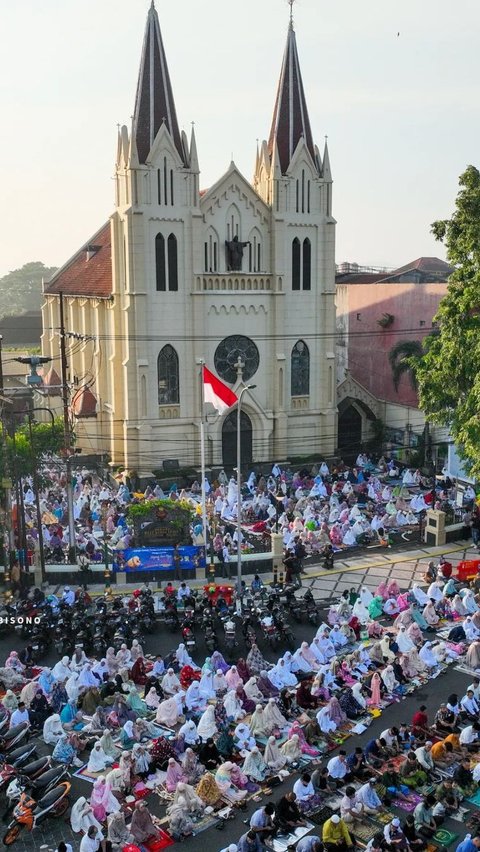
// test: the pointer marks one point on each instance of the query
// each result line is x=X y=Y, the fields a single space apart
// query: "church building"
x=240 y=276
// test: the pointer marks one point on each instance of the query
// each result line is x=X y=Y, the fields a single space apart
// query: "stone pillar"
x=435 y=527
x=277 y=549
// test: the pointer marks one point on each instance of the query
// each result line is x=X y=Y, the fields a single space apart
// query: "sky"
x=393 y=83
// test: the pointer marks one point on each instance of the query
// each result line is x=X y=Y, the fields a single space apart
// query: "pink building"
x=375 y=312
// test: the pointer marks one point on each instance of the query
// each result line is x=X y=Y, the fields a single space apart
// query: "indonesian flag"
x=214 y=391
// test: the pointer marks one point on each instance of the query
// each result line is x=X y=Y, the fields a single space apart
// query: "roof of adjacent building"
x=154 y=103
x=84 y=403
x=89 y=271
x=428 y=265
x=423 y=270
x=290 y=117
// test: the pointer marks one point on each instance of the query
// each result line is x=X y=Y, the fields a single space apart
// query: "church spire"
x=154 y=104
x=290 y=118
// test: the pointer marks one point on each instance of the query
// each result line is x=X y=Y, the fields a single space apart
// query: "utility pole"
x=68 y=437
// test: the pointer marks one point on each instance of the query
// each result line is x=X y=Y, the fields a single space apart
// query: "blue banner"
x=161 y=558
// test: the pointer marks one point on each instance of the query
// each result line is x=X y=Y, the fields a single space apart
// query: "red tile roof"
x=425 y=264
x=84 y=403
x=52 y=383
x=82 y=277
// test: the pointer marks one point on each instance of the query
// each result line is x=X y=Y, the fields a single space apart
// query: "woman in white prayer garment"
x=98 y=760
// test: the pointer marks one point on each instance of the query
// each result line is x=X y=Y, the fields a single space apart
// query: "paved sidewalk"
x=405 y=566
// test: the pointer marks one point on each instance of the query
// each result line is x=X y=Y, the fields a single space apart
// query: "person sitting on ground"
x=351 y=808
x=411 y=772
x=287 y=813
x=335 y=835
x=262 y=823
x=425 y=823
x=442 y=754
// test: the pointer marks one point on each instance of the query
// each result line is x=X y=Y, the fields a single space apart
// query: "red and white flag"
x=216 y=392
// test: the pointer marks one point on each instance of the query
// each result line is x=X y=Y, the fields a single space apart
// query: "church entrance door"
x=349 y=432
x=229 y=440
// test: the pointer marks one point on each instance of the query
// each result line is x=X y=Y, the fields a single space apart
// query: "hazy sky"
x=402 y=113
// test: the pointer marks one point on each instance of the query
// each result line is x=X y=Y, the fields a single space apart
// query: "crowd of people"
x=206 y=738
x=336 y=506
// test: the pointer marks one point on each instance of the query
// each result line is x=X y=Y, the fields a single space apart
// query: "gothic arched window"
x=168 y=377
x=160 y=262
x=172 y=262
x=307 y=264
x=296 y=264
x=300 y=369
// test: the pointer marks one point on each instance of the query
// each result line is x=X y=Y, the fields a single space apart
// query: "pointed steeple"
x=193 y=151
x=154 y=104
x=327 y=171
x=290 y=118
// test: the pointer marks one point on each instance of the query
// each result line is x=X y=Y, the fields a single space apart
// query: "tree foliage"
x=22 y=453
x=404 y=358
x=21 y=289
x=448 y=375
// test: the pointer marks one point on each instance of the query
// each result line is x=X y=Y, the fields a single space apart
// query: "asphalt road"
x=50 y=834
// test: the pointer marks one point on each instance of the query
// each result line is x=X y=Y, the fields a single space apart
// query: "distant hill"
x=21 y=289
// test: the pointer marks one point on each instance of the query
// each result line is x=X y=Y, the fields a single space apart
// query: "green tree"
x=448 y=375
x=21 y=289
x=404 y=358
x=23 y=453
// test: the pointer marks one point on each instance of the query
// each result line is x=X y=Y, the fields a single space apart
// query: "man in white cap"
x=335 y=835
x=394 y=836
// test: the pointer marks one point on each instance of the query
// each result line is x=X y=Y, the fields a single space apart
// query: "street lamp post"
x=239 y=493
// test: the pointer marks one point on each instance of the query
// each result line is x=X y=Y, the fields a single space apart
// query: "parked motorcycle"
x=29 y=813
x=13 y=737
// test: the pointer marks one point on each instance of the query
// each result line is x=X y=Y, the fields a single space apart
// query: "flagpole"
x=202 y=457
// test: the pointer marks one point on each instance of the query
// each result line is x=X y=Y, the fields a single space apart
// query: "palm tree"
x=403 y=358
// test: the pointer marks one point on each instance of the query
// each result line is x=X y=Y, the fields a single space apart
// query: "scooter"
x=28 y=813
x=13 y=737
x=21 y=756
x=31 y=770
x=40 y=786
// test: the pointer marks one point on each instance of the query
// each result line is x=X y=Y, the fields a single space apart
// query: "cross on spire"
x=290 y=3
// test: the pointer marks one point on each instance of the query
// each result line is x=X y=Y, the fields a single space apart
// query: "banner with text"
x=162 y=558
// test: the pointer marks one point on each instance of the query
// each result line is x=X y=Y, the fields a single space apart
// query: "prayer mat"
x=381 y=819
x=364 y=831
x=283 y=841
x=444 y=837
x=475 y=800
x=430 y=847
x=396 y=761
x=460 y=815
x=409 y=806
x=206 y=822
x=162 y=840
x=87 y=775
x=320 y=816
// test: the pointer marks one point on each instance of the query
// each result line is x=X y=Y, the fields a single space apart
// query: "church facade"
x=240 y=276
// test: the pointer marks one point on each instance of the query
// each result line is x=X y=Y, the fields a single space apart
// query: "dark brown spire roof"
x=290 y=117
x=154 y=103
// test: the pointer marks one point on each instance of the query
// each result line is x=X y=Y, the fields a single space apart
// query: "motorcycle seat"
x=49 y=798
x=46 y=778
x=13 y=732
x=35 y=766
